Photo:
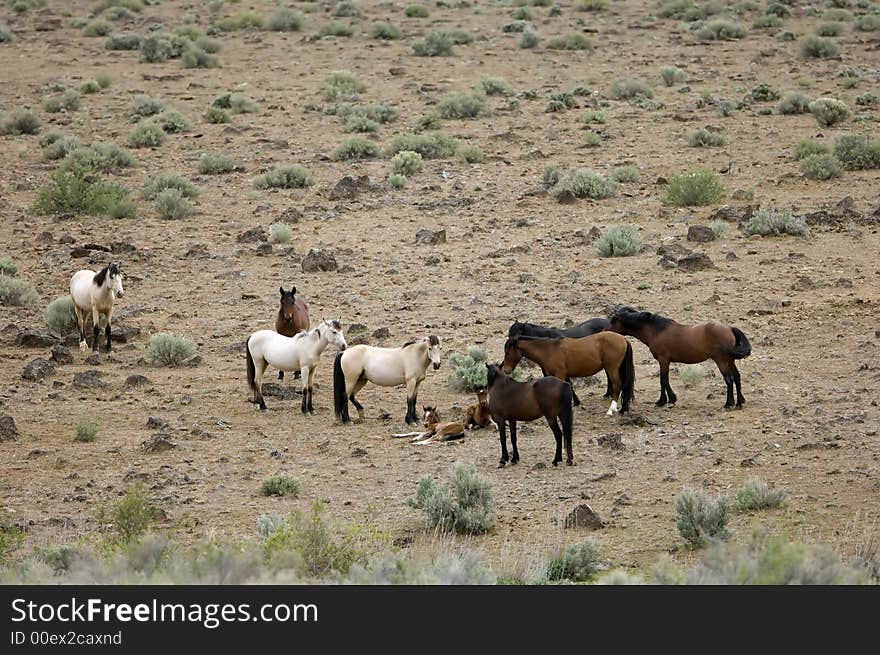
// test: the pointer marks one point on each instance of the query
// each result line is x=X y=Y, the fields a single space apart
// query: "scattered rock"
x=358 y=452
x=282 y=391
x=349 y=188
x=136 y=381
x=193 y=361
x=95 y=359
x=431 y=237
x=526 y=277
x=38 y=369
x=8 y=431
x=381 y=333
x=254 y=235
x=633 y=418
x=583 y=516
x=319 y=260
x=698 y=261
x=565 y=197
x=290 y=215
x=158 y=443
x=155 y=423
x=612 y=441
x=265 y=248
x=90 y=379
x=197 y=251
x=32 y=339
x=700 y=234
x=61 y=355
x=124 y=334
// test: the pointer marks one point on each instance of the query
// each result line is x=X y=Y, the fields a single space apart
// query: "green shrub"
x=494 y=86
x=89 y=87
x=516 y=27
x=703 y=138
x=85 y=431
x=436 y=44
x=384 y=30
x=123 y=42
x=59 y=315
x=341 y=85
x=347 y=9
x=429 y=121
x=406 y=162
x=817 y=47
x=216 y=115
x=156 y=184
x=691 y=376
x=578 y=563
x=98 y=28
x=16 y=291
x=8 y=267
x=103 y=157
x=11 y=537
x=590 y=5
x=397 y=180
x=416 y=11
x=573 y=41
x=720 y=29
x=672 y=75
x=156 y=48
x=867 y=99
x=280 y=485
x=829 y=111
x=361 y=124
x=461 y=105
x=807 y=147
x=719 y=228
x=468 y=371
x=868 y=23
x=335 y=28
x=166 y=349
x=820 y=167
x=195 y=57
x=142 y=106
x=284 y=177
x=130 y=517
x=582 y=183
x=57 y=146
x=19 y=121
x=280 y=232
x=785 y=36
x=757 y=494
x=837 y=14
x=694 y=189
x=768 y=222
x=795 y=103
x=377 y=113
x=855 y=152
x=624 y=174
x=356 y=147
x=767 y=21
x=215 y=164
x=763 y=93
x=619 y=241
x=5 y=34
x=171 y=204
x=470 y=154
x=593 y=116
x=243 y=20
x=146 y=135
x=630 y=88
x=104 y=81
x=131 y=5
x=701 y=519
x=285 y=19
x=592 y=139
x=171 y=121
x=467 y=508
x=528 y=40
x=77 y=190
x=430 y=146
x=830 y=29
x=236 y=103
x=561 y=101
x=550 y=175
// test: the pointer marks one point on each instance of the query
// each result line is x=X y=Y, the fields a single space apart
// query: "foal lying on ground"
x=436 y=431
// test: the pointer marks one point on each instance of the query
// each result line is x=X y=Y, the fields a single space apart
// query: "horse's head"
x=624 y=319
x=431 y=416
x=115 y=275
x=482 y=394
x=515 y=329
x=512 y=355
x=493 y=372
x=288 y=303
x=334 y=333
x=434 y=351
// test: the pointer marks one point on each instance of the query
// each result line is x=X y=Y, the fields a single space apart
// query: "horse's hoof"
x=570 y=463
x=502 y=464
x=660 y=403
x=514 y=461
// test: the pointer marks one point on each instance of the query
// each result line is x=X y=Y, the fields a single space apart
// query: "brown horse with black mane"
x=687 y=344
x=293 y=318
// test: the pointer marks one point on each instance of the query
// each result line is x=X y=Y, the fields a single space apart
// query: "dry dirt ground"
x=812 y=382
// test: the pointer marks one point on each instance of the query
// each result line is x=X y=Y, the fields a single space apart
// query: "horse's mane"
x=432 y=341
x=632 y=318
x=100 y=276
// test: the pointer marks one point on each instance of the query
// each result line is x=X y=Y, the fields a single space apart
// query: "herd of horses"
x=583 y=350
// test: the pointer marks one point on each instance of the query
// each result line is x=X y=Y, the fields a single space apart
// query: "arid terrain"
x=809 y=304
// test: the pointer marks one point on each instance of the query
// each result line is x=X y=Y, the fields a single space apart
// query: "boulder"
x=431 y=237
x=61 y=355
x=158 y=443
x=90 y=379
x=136 y=381
x=38 y=369
x=8 y=431
x=254 y=235
x=700 y=234
x=32 y=339
x=583 y=516
x=348 y=188
x=319 y=260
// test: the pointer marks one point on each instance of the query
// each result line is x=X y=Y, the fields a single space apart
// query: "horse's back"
x=80 y=289
x=587 y=328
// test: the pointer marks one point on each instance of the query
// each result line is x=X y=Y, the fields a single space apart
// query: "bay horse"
x=293 y=318
x=477 y=415
x=687 y=344
x=385 y=367
x=585 y=329
x=300 y=352
x=435 y=430
x=574 y=358
x=95 y=292
x=511 y=401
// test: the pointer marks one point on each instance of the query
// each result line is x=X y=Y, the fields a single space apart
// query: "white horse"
x=95 y=292
x=386 y=367
x=301 y=352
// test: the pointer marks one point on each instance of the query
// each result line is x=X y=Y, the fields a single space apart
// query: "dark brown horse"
x=513 y=401
x=575 y=358
x=293 y=318
x=687 y=344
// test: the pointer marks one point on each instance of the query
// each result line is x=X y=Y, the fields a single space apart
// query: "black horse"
x=584 y=329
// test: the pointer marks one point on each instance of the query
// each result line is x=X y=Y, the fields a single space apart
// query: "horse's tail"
x=627 y=372
x=566 y=413
x=742 y=348
x=251 y=369
x=340 y=399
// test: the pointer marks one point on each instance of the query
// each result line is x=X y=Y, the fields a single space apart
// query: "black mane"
x=101 y=276
x=584 y=329
x=632 y=318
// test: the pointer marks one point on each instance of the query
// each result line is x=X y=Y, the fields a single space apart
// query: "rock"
x=155 y=423
x=291 y=215
x=632 y=418
x=358 y=452
x=38 y=369
x=61 y=355
x=196 y=360
x=123 y=334
x=90 y=379
x=526 y=277
x=319 y=260
x=731 y=214
x=95 y=359
x=698 y=261
x=48 y=24
x=431 y=237
x=282 y=391
x=565 y=197
x=136 y=381
x=264 y=248
x=254 y=235
x=32 y=339
x=158 y=443
x=122 y=247
x=583 y=516
x=349 y=188
x=197 y=251
x=8 y=431
x=700 y=234
x=612 y=441
x=381 y=333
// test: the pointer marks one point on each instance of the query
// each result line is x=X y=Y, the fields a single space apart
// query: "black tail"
x=251 y=369
x=627 y=372
x=742 y=348
x=340 y=399
x=566 y=415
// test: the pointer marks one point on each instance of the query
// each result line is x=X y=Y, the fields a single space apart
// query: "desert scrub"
x=360 y=124
x=166 y=349
x=582 y=183
x=436 y=44
x=592 y=139
x=794 y=103
x=719 y=228
x=19 y=121
x=807 y=147
x=461 y=105
x=855 y=152
x=703 y=138
x=594 y=116
x=57 y=146
x=143 y=106
x=629 y=89
x=694 y=189
x=624 y=174
x=829 y=111
x=347 y=9
x=384 y=31
x=573 y=41
x=590 y=5
x=97 y=27
x=156 y=184
x=85 y=431
x=280 y=485
x=470 y=154
x=767 y=222
x=691 y=376
x=171 y=121
x=868 y=23
x=130 y=517
x=868 y=99
x=466 y=508
x=766 y=22
x=619 y=241
x=67 y=101
x=829 y=29
x=356 y=147
x=375 y=112
x=172 y=205
x=495 y=86
x=817 y=47
x=416 y=11
x=146 y=135
x=103 y=157
x=280 y=232
x=215 y=164
x=216 y=115
x=8 y=267
x=77 y=190
x=16 y=291
x=342 y=85
x=335 y=28
x=468 y=370
x=285 y=19
x=5 y=34
x=89 y=87
x=236 y=103
x=430 y=146
x=407 y=162
x=528 y=40
x=578 y=563
x=820 y=167
x=243 y=20
x=196 y=57
x=757 y=494
x=560 y=101
x=397 y=180
x=284 y=177
x=700 y=519
x=123 y=42
x=516 y=26
x=59 y=315
x=720 y=29
x=672 y=75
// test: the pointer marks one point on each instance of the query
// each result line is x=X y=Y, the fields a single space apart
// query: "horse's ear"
x=292 y=291
x=281 y=289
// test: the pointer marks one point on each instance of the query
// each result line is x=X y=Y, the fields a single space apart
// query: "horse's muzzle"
x=436 y=366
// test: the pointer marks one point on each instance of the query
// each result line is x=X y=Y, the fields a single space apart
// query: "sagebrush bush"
x=623 y=174
x=430 y=146
x=407 y=162
x=335 y=28
x=171 y=121
x=550 y=175
x=768 y=222
x=829 y=29
x=468 y=370
x=590 y=5
x=19 y=121
x=807 y=147
x=868 y=23
x=767 y=21
x=280 y=232
x=581 y=183
x=155 y=48
x=528 y=40
x=719 y=228
x=573 y=41
x=285 y=19
x=837 y=11
x=5 y=34
x=416 y=11
x=720 y=29
x=360 y=124
x=672 y=75
x=619 y=241
x=16 y=291
x=495 y=86
x=242 y=20
x=856 y=152
x=236 y=103
x=466 y=508
x=90 y=86
x=397 y=180
x=630 y=88
x=8 y=267
x=817 y=47
x=77 y=190
x=130 y=517
x=384 y=30
x=280 y=485
x=123 y=42
x=694 y=189
x=146 y=135
x=347 y=9
x=196 y=57
x=59 y=315
x=470 y=153
x=700 y=519
x=829 y=111
x=97 y=27
x=340 y=85
x=703 y=138
x=284 y=177
x=216 y=115
x=215 y=164
x=691 y=376
x=376 y=112
x=356 y=147
x=578 y=563
x=755 y=493
x=171 y=204
x=166 y=349
x=436 y=44
x=142 y=106
x=461 y=105
x=103 y=157
x=156 y=184
x=794 y=103
x=820 y=167
x=57 y=146
x=85 y=431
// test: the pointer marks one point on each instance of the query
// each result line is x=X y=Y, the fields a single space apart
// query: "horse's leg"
x=502 y=435
x=557 y=433
x=740 y=399
x=515 y=458
x=280 y=375
x=80 y=316
x=312 y=388
x=616 y=387
x=95 y=328
x=259 y=368
x=727 y=374
x=575 y=400
x=108 y=316
x=412 y=390
x=305 y=389
x=664 y=382
x=357 y=386
x=609 y=391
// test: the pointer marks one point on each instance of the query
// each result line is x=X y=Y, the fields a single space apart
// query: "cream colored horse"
x=386 y=367
x=95 y=292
